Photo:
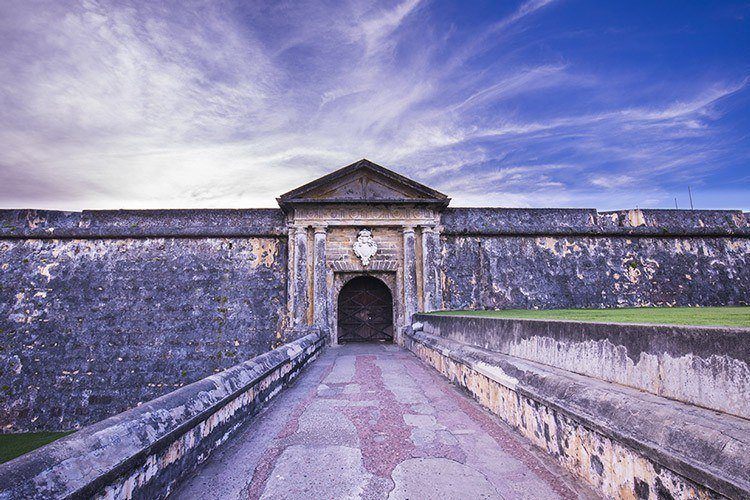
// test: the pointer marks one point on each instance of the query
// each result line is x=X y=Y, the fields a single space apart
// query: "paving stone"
x=317 y=472
x=439 y=478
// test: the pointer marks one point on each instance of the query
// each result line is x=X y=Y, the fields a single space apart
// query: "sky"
x=228 y=104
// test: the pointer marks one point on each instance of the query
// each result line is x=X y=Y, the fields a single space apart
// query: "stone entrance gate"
x=362 y=220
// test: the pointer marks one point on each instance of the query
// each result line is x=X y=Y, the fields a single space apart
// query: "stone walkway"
x=371 y=421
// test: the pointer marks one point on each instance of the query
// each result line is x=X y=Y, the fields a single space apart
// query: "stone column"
x=290 y=276
x=320 y=297
x=300 y=276
x=430 y=278
x=410 y=274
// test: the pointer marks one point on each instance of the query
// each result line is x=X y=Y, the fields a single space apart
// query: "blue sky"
x=228 y=104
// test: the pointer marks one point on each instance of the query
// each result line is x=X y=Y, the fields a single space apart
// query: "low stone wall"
x=143 y=452
x=705 y=366
x=624 y=442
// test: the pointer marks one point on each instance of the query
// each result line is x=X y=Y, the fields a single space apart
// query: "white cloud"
x=129 y=104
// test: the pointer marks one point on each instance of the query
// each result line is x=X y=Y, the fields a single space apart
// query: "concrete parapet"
x=145 y=451
x=626 y=443
x=705 y=366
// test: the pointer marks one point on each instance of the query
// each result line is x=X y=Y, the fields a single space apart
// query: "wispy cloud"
x=205 y=104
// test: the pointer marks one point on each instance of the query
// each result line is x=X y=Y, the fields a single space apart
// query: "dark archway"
x=365 y=311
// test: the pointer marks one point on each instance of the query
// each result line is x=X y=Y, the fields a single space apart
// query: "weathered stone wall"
x=705 y=366
x=92 y=326
x=100 y=310
x=624 y=442
x=508 y=258
x=146 y=451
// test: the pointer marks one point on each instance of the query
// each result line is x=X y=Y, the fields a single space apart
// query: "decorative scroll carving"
x=365 y=247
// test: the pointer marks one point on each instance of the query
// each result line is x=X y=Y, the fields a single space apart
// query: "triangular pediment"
x=363 y=181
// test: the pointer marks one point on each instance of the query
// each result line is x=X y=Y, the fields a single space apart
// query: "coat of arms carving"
x=365 y=247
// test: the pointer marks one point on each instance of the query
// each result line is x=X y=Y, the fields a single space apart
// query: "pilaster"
x=430 y=278
x=410 y=274
x=300 y=276
x=320 y=295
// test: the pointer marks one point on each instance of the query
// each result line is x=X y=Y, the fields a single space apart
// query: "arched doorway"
x=365 y=311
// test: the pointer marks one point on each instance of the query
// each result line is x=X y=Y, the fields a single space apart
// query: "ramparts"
x=53 y=224
x=103 y=309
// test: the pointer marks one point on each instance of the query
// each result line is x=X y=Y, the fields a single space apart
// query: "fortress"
x=160 y=336
x=102 y=310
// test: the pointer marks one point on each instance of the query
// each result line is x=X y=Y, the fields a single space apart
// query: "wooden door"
x=365 y=311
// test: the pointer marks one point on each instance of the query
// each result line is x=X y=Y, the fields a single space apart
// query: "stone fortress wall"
x=572 y=258
x=101 y=310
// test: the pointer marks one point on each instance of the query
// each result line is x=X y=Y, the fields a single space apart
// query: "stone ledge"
x=589 y=222
x=616 y=438
x=634 y=232
x=144 y=451
x=53 y=224
x=706 y=366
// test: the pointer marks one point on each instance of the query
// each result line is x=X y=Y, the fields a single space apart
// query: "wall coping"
x=489 y=221
x=202 y=223
x=218 y=223
x=634 y=232
x=608 y=323
x=708 y=448
x=96 y=457
x=703 y=366
x=721 y=341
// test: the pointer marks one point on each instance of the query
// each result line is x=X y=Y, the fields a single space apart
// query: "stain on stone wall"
x=501 y=272
x=93 y=327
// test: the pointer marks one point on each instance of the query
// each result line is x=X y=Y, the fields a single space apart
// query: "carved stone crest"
x=365 y=247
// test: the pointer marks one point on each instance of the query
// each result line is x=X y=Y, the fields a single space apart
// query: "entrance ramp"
x=373 y=421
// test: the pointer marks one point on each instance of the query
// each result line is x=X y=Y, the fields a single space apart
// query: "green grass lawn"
x=15 y=445
x=702 y=316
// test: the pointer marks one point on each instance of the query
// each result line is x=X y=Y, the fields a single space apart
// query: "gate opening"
x=365 y=311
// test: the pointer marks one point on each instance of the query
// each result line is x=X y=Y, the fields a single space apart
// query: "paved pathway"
x=372 y=421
